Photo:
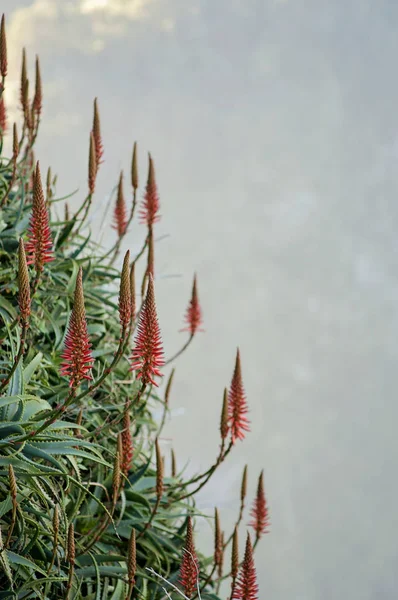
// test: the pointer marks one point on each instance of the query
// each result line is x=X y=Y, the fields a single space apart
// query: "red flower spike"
x=189 y=569
x=237 y=404
x=3 y=116
x=150 y=204
x=127 y=441
x=77 y=357
x=259 y=512
x=246 y=587
x=39 y=247
x=193 y=316
x=99 y=149
x=120 y=213
x=147 y=355
x=125 y=294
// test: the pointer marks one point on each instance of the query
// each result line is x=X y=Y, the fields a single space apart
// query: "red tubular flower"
x=246 y=587
x=39 y=246
x=3 y=115
x=237 y=404
x=147 y=355
x=259 y=512
x=150 y=205
x=189 y=569
x=193 y=316
x=127 y=441
x=120 y=213
x=77 y=357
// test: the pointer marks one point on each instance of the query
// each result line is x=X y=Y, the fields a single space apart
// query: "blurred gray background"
x=273 y=125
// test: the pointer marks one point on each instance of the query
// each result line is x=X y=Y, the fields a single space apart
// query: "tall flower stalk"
x=259 y=512
x=125 y=296
x=193 y=316
x=96 y=132
x=237 y=404
x=246 y=587
x=120 y=212
x=149 y=212
x=39 y=247
x=193 y=319
x=3 y=49
x=147 y=355
x=189 y=570
x=77 y=358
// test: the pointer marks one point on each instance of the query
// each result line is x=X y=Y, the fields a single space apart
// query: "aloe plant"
x=86 y=508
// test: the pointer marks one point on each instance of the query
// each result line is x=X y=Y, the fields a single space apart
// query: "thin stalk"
x=209 y=475
x=238 y=522
x=12 y=524
x=149 y=522
x=177 y=354
x=19 y=355
x=11 y=183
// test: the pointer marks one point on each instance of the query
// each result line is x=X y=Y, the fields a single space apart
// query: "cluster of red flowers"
x=193 y=316
x=77 y=356
x=259 y=512
x=39 y=247
x=150 y=206
x=246 y=587
x=189 y=570
x=147 y=356
x=237 y=404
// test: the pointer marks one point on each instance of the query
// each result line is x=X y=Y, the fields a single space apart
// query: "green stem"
x=211 y=471
x=149 y=522
x=70 y=580
x=9 y=188
x=12 y=524
x=177 y=354
x=18 y=356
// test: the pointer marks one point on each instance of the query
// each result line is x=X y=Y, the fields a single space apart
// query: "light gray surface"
x=273 y=128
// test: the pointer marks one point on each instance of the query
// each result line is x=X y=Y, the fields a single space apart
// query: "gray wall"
x=273 y=125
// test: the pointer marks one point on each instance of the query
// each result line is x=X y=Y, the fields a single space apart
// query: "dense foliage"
x=86 y=509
